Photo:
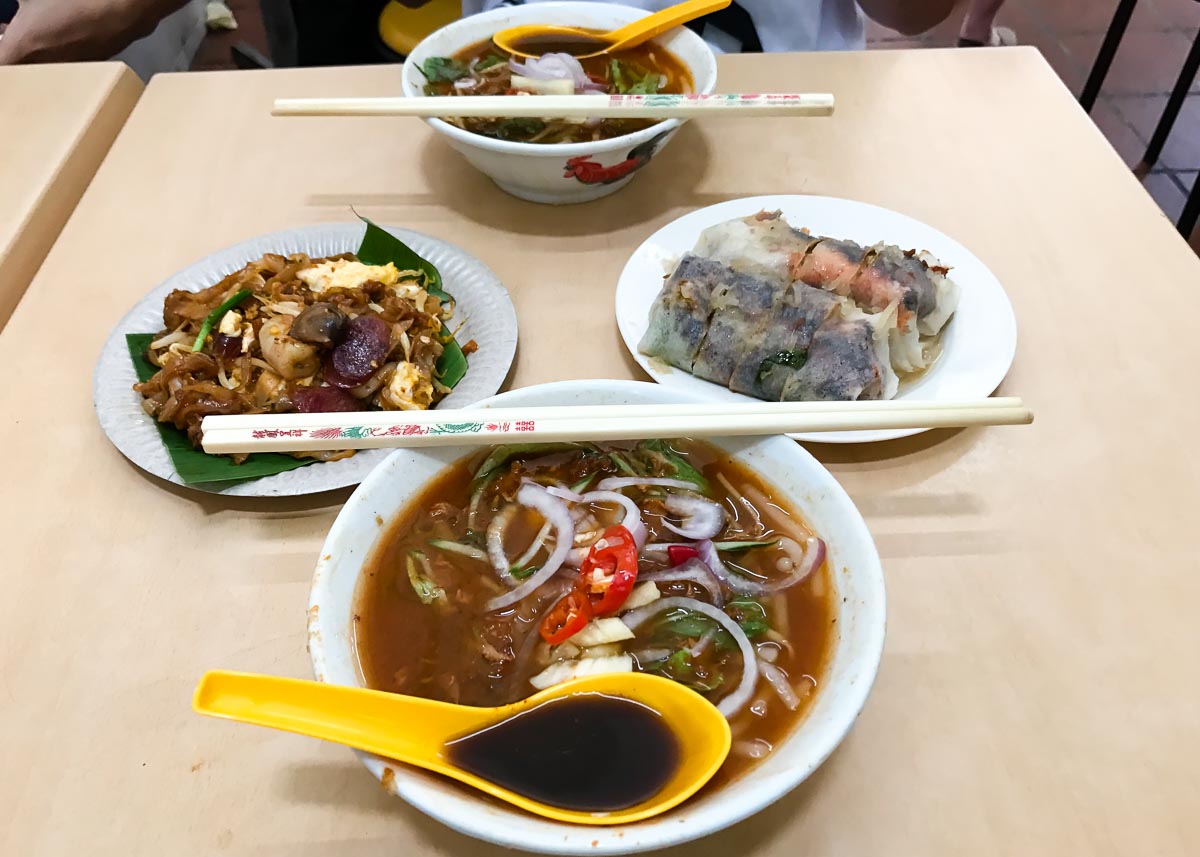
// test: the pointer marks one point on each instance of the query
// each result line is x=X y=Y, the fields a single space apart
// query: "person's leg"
x=977 y=23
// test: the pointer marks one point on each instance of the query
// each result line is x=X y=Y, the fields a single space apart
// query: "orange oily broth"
x=649 y=57
x=405 y=646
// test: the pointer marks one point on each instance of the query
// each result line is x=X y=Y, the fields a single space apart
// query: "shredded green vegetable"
x=679 y=667
x=582 y=483
x=750 y=615
x=459 y=548
x=522 y=573
x=686 y=624
x=519 y=128
x=426 y=589
x=505 y=453
x=677 y=466
x=446 y=69
x=743 y=546
x=216 y=315
x=622 y=464
x=626 y=80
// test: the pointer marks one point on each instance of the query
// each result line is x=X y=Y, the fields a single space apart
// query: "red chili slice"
x=615 y=557
x=568 y=617
x=679 y=554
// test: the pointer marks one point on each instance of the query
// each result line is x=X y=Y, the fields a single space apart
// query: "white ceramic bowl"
x=796 y=474
x=553 y=173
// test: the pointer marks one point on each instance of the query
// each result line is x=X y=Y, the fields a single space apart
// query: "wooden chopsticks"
x=488 y=426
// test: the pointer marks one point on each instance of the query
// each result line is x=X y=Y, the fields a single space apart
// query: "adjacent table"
x=56 y=124
x=1038 y=693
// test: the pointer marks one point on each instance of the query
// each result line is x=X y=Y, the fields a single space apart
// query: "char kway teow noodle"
x=485 y=69
x=535 y=564
x=781 y=313
x=292 y=333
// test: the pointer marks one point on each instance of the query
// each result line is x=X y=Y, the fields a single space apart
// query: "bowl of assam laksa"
x=738 y=568
x=556 y=160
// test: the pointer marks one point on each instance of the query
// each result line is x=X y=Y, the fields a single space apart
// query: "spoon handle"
x=405 y=728
x=647 y=28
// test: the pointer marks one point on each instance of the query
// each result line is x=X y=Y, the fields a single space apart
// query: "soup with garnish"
x=528 y=565
x=485 y=69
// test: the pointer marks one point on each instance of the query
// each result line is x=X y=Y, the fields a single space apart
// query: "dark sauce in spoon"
x=587 y=752
x=563 y=43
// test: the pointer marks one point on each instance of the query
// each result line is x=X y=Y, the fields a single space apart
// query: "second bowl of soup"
x=737 y=567
x=549 y=160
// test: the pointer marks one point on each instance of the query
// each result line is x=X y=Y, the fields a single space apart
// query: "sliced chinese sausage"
x=227 y=346
x=323 y=400
x=366 y=341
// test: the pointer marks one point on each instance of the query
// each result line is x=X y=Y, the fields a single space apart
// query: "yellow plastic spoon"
x=535 y=39
x=415 y=731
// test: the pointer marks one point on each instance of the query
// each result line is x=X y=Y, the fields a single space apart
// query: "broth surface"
x=454 y=649
x=483 y=69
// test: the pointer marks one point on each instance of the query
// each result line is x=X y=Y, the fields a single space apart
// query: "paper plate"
x=978 y=344
x=482 y=307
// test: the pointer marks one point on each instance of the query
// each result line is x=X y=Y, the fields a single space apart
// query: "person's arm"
x=79 y=30
x=908 y=16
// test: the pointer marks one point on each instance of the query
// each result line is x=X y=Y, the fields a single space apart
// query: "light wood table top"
x=1038 y=693
x=56 y=124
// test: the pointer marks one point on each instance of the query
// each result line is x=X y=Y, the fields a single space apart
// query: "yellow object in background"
x=401 y=28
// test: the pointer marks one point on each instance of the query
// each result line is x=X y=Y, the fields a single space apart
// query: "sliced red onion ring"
x=565 y=493
x=495 y=544
x=702 y=644
x=534 y=546
x=554 y=510
x=633 y=515
x=616 y=483
x=735 y=701
x=553 y=66
x=775 y=676
x=692 y=570
x=812 y=557
x=702 y=518
x=649 y=656
x=525 y=652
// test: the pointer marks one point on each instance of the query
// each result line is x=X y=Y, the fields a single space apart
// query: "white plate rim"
x=483 y=307
x=991 y=322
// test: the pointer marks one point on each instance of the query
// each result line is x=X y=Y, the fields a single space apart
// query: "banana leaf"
x=380 y=247
x=192 y=465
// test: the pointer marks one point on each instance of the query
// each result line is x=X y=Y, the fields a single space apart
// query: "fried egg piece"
x=344 y=274
x=408 y=390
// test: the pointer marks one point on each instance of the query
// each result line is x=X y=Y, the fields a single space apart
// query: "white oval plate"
x=482 y=306
x=978 y=345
